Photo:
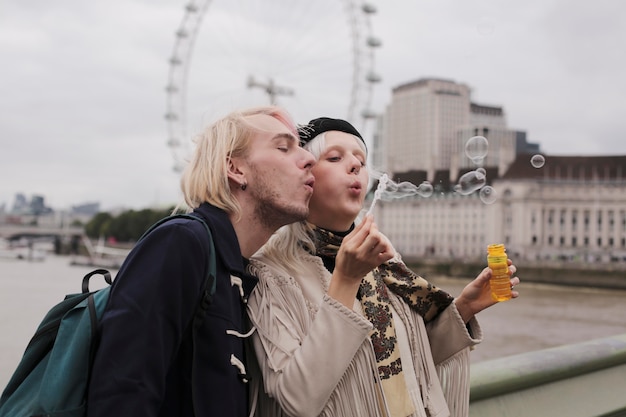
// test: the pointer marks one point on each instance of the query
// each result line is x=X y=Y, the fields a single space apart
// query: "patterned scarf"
x=427 y=300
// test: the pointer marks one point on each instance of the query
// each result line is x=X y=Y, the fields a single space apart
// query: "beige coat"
x=316 y=358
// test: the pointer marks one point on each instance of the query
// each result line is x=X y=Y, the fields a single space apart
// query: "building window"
x=550 y=240
x=586 y=241
x=599 y=242
x=611 y=242
x=561 y=241
x=574 y=241
x=534 y=240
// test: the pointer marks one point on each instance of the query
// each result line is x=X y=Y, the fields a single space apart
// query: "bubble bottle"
x=500 y=281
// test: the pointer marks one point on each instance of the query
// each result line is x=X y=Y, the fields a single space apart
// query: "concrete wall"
x=581 y=380
x=611 y=276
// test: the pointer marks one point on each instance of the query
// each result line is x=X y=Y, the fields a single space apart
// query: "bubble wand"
x=382 y=185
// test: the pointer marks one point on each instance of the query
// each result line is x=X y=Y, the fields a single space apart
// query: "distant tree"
x=98 y=225
x=120 y=226
x=128 y=226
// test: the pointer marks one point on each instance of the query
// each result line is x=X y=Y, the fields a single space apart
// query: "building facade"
x=427 y=125
x=421 y=123
x=572 y=209
x=446 y=225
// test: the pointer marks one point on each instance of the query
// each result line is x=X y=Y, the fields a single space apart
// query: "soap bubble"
x=425 y=189
x=488 y=194
x=393 y=190
x=537 y=161
x=476 y=149
x=470 y=182
x=388 y=189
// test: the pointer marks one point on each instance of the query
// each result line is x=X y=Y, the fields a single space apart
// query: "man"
x=247 y=177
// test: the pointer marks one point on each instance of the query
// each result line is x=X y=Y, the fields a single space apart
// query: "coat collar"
x=226 y=243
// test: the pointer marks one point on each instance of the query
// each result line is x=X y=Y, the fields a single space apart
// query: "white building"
x=421 y=124
x=445 y=225
x=428 y=123
x=490 y=123
x=571 y=209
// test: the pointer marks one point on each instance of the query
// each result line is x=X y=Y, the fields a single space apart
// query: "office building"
x=566 y=209
x=428 y=123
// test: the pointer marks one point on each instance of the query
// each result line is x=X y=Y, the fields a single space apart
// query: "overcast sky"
x=82 y=83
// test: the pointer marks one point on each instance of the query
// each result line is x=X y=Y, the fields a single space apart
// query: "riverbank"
x=543 y=316
x=608 y=276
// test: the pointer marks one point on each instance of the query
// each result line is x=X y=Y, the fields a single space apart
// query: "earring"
x=244 y=186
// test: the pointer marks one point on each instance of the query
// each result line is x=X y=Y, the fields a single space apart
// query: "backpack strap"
x=91 y=304
x=203 y=306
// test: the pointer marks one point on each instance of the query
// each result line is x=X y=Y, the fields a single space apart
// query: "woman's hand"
x=476 y=296
x=361 y=251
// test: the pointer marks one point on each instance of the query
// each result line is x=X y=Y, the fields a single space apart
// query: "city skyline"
x=83 y=94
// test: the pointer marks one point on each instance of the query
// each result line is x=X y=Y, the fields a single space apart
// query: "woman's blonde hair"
x=205 y=178
x=282 y=248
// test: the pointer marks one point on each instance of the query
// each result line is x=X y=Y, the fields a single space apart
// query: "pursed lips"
x=310 y=183
x=356 y=187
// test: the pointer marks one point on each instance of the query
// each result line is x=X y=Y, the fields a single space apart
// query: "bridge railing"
x=579 y=380
x=8 y=231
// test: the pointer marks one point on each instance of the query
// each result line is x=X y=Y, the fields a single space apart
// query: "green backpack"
x=52 y=377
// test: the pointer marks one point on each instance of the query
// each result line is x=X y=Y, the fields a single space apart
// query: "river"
x=543 y=316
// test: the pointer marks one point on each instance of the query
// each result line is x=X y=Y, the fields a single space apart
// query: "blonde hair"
x=282 y=248
x=205 y=178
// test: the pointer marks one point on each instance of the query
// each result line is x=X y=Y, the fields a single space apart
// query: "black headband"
x=325 y=124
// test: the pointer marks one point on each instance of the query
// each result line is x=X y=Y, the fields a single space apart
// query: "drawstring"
x=238 y=282
x=241 y=335
x=242 y=369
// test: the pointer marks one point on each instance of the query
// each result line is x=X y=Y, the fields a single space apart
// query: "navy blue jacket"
x=145 y=364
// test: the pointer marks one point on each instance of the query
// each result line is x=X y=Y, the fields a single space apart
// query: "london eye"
x=313 y=58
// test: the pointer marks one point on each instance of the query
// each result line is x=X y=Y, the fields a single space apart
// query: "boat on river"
x=22 y=250
x=100 y=255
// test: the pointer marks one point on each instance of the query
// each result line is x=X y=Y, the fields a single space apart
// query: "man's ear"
x=237 y=170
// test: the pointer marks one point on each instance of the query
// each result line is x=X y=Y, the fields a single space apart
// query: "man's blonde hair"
x=205 y=178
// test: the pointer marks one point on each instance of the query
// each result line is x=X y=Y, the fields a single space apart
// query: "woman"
x=344 y=328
